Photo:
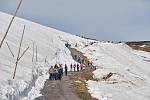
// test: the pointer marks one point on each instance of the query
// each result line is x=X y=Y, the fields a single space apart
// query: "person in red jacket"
x=81 y=66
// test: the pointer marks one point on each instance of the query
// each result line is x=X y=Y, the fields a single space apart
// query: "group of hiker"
x=56 y=72
x=82 y=61
x=76 y=67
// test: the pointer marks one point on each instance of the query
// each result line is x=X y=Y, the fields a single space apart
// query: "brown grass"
x=137 y=47
x=79 y=83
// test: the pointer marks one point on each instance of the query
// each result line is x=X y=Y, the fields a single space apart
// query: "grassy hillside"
x=140 y=45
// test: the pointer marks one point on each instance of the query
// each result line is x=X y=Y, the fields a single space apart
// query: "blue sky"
x=101 y=19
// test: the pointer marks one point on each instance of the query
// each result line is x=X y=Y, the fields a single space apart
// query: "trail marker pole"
x=10 y=23
x=10 y=49
x=18 y=53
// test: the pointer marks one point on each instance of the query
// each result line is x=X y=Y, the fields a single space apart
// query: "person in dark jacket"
x=79 y=59
x=77 y=67
x=62 y=71
x=75 y=57
x=59 y=73
x=82 y=61
x=74 y=66
x=66 y=69
x=56 y=68
x=71 y=66
x=61 y=68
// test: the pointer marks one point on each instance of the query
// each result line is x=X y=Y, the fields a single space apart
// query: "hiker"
x=76 y=45
x=51 y=73
x=67 y=44
x=81 y=67
x=71 y=67
x=75 y=57
x=74 y=66
x=94 y=66
x=62 y=71
x=59 y=73
x=88 y=63
x=56 y=71
x=91 y=65
x=79 y=59
x=66 y=69
x=82 y=61
x=77 y=67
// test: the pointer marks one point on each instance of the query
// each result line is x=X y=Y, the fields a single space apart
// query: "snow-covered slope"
x=131 y=72
x=49 y=46
x=130 y=68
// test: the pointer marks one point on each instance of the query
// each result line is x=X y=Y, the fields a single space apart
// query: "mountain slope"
x=130 y=68
x=49 y=47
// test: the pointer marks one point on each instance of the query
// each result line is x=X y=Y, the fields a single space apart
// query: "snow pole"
x=10 y=49
x=36 y=53
x=10 y=23
x=33 y=53
x=23 y=53
x=18 y=53
x=45 y=59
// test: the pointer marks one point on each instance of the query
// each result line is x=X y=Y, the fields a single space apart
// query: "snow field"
x=130 y=68
x=30 y=76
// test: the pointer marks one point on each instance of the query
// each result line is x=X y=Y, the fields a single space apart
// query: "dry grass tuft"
x=79 y=83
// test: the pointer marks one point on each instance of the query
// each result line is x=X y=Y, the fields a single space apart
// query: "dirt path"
x=58 y=90
x=78 y=53
x=61 y=89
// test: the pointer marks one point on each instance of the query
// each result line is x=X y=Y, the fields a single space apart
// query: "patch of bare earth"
x=79 y=82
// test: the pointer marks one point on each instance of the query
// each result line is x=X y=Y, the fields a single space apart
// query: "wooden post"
x=18 y=53
x=23 y=53
x=36 y=54
x=10 y=23
x=45 y=59
x=10 y=49
x=33 y=53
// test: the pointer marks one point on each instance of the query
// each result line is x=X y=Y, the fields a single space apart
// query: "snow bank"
x=130 y=79
x=30 y=76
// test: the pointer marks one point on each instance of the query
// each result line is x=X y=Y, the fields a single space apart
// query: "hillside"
x=130 y=78
x=30 y=75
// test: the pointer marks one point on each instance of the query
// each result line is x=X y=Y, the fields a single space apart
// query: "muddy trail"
x=62 y=89
x=58 y=90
